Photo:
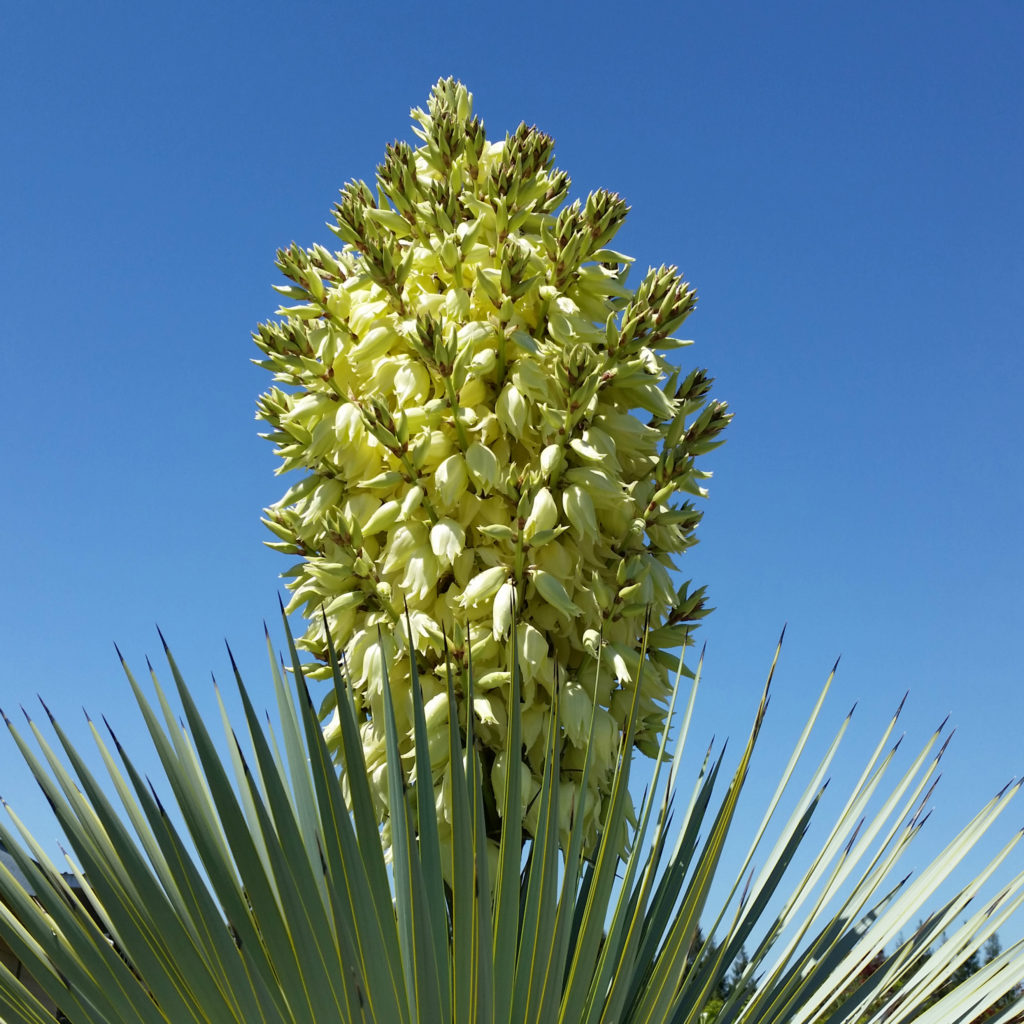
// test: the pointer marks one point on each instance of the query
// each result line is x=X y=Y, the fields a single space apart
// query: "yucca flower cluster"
x=459 y=389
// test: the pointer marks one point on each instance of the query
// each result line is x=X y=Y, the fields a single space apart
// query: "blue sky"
x=842 y=184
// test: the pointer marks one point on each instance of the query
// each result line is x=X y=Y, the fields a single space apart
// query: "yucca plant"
x=281 y=902
x=485 y=532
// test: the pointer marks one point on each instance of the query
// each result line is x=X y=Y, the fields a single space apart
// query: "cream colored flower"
x=447 y=539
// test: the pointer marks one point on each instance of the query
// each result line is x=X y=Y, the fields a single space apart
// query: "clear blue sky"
x=842 y=183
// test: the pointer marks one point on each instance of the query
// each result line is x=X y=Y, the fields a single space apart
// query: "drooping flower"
x=459 y=388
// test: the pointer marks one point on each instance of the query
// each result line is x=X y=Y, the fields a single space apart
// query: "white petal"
x=447 y=539
x=502 y=612
x=543 y=514
x=574 y=710
x=450 y=480
x=533 y=650
x=483 y=466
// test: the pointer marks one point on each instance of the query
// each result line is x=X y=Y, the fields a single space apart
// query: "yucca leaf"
x=91 y=982
x=698 y=984
x=537 y=922
x=365 y=913
x=920 y=981
x=465 y=884
x=671 y=878
x=419 y=957
x=302 y=907
x=659 y=992
x=355 y=774
x=472 y=964
x=124 y=906
x=259 y=886
x=626 y=930
x=991 y=986
x=246 y=799
x=955 y=950
x=157 y=890
x=18 y=1005
x=483 y=913
x=427 y=839
x=510 y=853
x=301 y=785
x=178 y=756
x=567 y=919
x=195 y=804
x=679 y=862
x=583 y=994
x=240 y=986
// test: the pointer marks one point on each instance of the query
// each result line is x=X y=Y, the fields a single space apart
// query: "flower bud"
x=511 y=410
x=483 y=467
x=483 y=586
x=382 y=519
x=552 y=459
x=451 y=480
x=543 y=514
x=579 y=510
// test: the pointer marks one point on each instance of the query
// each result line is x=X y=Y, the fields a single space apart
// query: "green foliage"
x=278 y=904
x=457 y=389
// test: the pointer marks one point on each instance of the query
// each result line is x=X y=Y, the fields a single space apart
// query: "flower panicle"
x=457 y=391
